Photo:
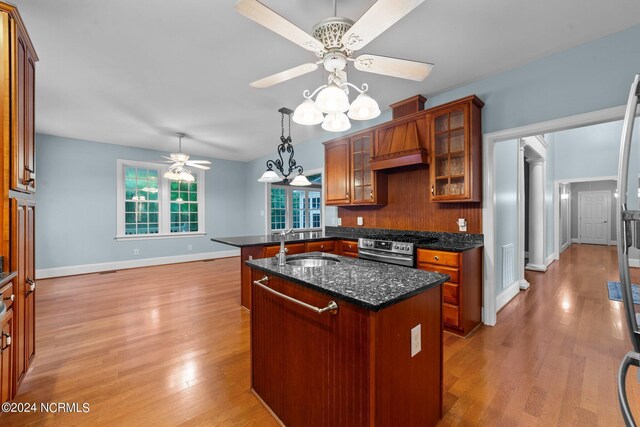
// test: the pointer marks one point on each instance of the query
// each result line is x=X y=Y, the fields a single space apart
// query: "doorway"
x=594 y=217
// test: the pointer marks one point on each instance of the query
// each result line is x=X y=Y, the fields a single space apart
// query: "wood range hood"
x=403 y=140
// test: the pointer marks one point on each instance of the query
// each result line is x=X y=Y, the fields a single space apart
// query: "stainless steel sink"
x=312 y=260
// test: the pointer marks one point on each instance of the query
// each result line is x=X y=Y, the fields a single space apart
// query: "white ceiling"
x=136 y=72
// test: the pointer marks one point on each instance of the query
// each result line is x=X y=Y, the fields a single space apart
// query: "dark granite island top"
x=272 y=239
x=368 y=284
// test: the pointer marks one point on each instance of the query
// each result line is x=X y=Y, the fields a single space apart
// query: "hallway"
x=552 y=359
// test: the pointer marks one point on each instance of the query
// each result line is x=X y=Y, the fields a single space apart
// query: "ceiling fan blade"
x=197 y=166
x=266 y=17
x=376 y=20
x=168 y=158
x=284 y=75
x=401 y=68
x=202 y=162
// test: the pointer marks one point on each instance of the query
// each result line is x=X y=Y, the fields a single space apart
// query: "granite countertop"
x=368 y=284
x=272 y=239
x=6 y=277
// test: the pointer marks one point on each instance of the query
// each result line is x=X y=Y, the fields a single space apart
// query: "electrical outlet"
x=360 y=221
x=462 y=224
x=189 y=247
x=136 y=251
x=416 y=340
x=339 y=221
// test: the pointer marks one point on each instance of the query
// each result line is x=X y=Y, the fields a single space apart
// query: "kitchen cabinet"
x=321 y=246
x=455 y=151
x=6 y=356
x=23 y=262
x=349 y=177
x=462 y=294
x=337 y=174
x=349 y=248
x=23 y=101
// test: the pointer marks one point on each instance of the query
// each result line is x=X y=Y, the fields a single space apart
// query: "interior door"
x=594 y=217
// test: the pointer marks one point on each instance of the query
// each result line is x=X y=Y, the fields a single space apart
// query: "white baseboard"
x=634 y=262
x=550 y=259
x=507 y=295
x=536 y=267
x=565 y=246
x=613 y=243
x=73 y=270
x=575 y=240
x=523 y=284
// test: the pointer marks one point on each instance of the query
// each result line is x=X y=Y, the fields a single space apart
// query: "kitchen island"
x=364 y=349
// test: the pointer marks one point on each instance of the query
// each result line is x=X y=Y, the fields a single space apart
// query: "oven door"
x=388 y=257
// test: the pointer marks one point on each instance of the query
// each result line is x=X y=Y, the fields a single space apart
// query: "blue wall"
x=76 y=201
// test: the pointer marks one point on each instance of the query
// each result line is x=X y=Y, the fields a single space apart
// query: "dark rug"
x=615 y=292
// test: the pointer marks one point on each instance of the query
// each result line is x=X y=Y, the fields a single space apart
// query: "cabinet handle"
x=371 y=194
x=7 y=339
x=32 y=287
x=28 y=179
x=332 y=306
x=11 y=298
x=286 y=250
x=433 y=190
x=321 y=246
x=437 y=258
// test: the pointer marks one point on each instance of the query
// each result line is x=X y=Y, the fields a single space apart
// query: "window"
x=299 y=208
x=149 y=205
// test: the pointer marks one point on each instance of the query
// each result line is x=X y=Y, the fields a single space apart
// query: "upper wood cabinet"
x=401 y=142
x=455 y=151
x=23 y=104
x=336 y=169
x=349 y=177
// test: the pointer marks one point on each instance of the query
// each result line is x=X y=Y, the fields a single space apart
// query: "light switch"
x=416 y=340
x=360 y=221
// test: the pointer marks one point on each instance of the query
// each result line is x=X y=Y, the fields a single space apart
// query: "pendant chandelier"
x=333 y=100
x=285 y=147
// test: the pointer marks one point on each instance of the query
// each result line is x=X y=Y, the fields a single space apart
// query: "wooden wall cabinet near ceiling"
x=401 y=142
x=349 y=178
x=23 y=104
x=456 y=151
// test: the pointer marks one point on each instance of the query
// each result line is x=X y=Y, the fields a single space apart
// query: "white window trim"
x=164 y=198
x=267 y=198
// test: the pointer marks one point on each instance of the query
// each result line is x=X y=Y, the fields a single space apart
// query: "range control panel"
x=386 y=245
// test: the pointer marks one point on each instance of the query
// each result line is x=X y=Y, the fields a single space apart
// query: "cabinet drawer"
x=453 y=272
x=349 y=248
x=438 y=257
x=292 y=248
x=7 y=293
x=323 y=246
x=451 y=314
x=450 y=293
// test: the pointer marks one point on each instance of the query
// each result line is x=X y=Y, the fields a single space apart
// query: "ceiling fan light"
x=269 y=176
x=364 y=107
x=336 y=122
x=332 y=99
x=300 y=181
x=172 y=175
x=186 y=176
x=307 y=113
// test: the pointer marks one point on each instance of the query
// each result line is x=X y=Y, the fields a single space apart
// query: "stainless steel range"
x=392 y=249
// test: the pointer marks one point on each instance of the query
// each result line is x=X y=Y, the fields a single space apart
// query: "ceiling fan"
x=178 y=171
x=334 y=40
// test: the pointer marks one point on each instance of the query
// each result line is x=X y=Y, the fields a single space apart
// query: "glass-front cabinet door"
x=455 y=151
x=362 y=177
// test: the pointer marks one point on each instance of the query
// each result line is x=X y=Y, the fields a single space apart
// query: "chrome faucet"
x=283 y=251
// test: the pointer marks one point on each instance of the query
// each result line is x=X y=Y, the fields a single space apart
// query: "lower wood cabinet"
x=349 y=248
x=6 y=356
x=462 y=294
x=23 y=262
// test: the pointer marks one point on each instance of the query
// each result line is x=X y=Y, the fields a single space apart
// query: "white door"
x=594 y=217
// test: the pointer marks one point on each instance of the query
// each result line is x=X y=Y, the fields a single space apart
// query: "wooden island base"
x=353 y=368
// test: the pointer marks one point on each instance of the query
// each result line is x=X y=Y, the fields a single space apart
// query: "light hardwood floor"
x=169 y=345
